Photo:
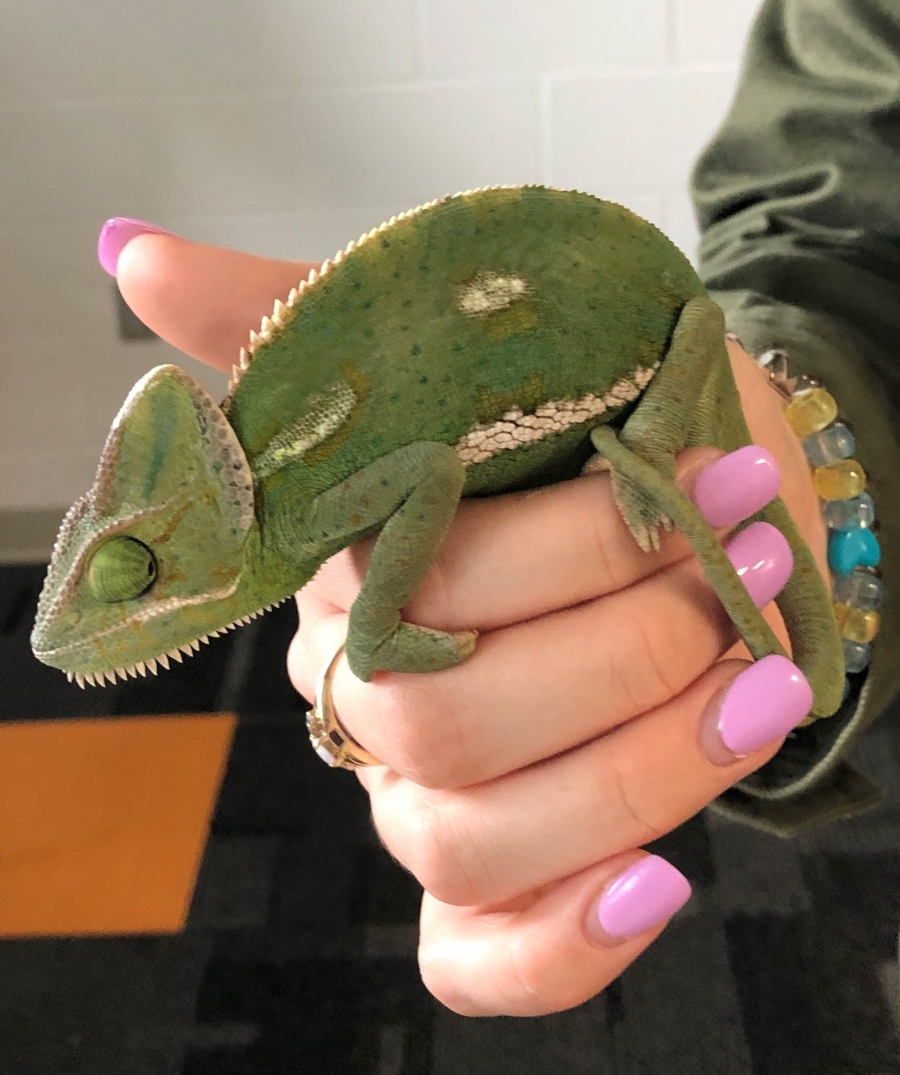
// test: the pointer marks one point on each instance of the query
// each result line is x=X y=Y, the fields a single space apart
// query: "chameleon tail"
x=812 y=644
x=809 y=616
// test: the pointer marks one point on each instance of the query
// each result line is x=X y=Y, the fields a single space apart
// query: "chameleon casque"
x=486 y=342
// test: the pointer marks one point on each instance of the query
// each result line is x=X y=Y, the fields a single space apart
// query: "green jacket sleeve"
x=798 y=200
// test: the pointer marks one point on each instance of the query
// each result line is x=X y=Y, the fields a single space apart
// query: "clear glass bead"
x=856 y=624
x=811 y=411
x=856 y=655
x=842 y=480
x=854 y=514
x=804 y=384
x=829 y=445
x=860 y=589
x=775 y=362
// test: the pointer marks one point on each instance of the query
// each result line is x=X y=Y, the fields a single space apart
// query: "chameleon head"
x=150 y=561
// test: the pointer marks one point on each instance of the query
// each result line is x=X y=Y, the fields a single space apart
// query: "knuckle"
x=641 y=828
x=438 y=970
x=299 y=666
x=421 y=734
x=602 y=535
x=541 y=980
x=428 y=839
x=529 y=977
x=649 y=650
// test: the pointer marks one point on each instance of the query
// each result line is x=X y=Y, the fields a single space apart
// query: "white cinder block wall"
x=287 y=127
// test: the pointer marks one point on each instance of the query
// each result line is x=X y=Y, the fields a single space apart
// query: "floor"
x=186 y=890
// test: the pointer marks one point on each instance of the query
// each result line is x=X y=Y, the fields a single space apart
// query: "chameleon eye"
x=121 y=569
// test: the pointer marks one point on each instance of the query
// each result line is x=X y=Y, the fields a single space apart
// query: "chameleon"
x=491 y=341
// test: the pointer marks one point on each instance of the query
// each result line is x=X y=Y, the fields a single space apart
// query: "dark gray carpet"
x=299 y=955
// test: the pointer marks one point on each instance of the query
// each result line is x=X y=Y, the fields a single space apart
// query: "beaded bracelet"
x=847 y=509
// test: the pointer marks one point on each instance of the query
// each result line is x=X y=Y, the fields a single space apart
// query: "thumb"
x=204 y=300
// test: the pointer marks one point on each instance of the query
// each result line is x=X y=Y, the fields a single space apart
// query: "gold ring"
x=326 y=733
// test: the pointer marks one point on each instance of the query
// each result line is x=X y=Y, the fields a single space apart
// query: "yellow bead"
x=856 y=624
x=842 y=480
x=811 y=412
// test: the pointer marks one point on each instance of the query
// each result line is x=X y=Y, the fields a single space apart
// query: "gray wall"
x=287 y=127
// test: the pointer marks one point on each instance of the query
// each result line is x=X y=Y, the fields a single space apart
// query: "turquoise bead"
x=848 y=549
x=857 y=655
x=859 y=589
x=851 y=514
x=829 y=445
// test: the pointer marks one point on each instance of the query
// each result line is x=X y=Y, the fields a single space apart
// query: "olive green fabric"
x=798 y=200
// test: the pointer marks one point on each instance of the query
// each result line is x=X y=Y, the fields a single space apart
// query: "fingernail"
x=763 y=559
x=737 y=485
x=761 y=704
x=116 y=233
x=647 y=893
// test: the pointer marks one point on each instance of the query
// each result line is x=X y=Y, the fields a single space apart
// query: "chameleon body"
x=491 y=341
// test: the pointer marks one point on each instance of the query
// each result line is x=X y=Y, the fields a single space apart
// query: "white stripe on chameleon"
x=490 y=291
x=144 y=615
x=325 y=414
x=516 y=428
x=173 y=604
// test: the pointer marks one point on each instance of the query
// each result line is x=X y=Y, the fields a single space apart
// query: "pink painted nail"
x=763 y=559
x=116 y=233
x=647 y=893
x=737 y=485
x=762 y=704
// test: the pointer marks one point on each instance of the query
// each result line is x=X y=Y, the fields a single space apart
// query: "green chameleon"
x=491 y=341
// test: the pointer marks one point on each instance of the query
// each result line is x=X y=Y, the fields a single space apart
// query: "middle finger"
x=434 y=728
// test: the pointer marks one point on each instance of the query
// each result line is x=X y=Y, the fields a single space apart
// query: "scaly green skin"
x=488 y=342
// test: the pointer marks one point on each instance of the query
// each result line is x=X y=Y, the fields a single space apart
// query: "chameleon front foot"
x=409 y=648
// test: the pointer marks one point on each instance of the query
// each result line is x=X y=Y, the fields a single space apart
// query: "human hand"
x=521 y=783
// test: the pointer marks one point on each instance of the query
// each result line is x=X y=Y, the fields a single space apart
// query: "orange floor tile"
x=103 y=822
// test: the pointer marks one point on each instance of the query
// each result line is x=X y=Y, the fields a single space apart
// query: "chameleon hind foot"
x=637 y=506
x=409 y=648
x=640 y=511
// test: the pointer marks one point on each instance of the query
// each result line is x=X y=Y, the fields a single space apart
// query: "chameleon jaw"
x=140 y=668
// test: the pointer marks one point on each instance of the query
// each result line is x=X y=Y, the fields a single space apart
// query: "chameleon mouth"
x=162 y=660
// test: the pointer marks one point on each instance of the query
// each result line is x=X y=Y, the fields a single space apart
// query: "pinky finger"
x=550 y=950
